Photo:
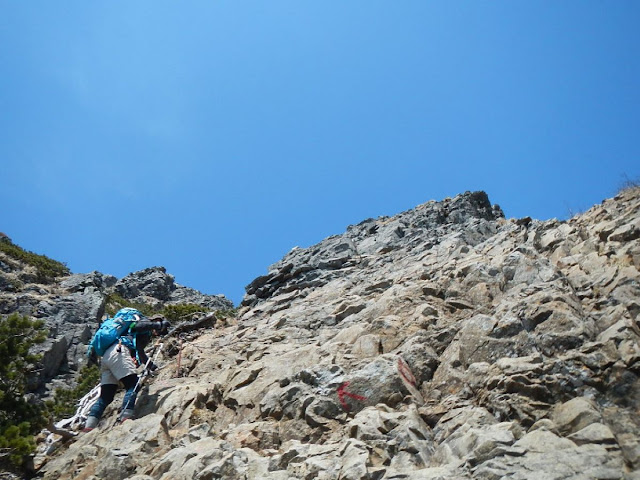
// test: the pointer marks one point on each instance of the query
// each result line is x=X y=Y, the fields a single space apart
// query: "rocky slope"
x=446 y=342
x=74 y=306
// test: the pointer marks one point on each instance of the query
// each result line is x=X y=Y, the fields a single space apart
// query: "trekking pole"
x=145 y=372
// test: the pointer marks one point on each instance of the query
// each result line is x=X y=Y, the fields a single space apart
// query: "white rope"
x=82 y=412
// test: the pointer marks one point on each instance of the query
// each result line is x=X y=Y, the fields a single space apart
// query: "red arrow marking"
x=342 y=393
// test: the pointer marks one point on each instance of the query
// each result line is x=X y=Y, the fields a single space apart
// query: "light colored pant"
x=116 y=365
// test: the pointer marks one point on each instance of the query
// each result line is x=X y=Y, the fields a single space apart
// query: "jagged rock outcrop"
x=446 y=342
x=74 y=307
x=154 y=286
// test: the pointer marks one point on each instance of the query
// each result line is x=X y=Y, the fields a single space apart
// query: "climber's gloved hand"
x=162 y=326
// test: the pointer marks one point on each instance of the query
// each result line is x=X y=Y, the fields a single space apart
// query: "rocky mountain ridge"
x=446 y=342
x=74 y=306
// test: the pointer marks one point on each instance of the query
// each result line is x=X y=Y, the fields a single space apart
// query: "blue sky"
x=211 y=137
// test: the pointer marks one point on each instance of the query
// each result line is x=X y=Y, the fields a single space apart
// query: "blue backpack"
x=112 y=329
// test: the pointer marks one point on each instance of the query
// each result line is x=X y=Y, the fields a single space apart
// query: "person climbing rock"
x=120 y=342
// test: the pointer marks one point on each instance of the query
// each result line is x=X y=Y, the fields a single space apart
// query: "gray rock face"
x=154 y=286
x=79 y=282
x=316 y=266
x=74 y=307
x=446 y=342
x=150 y=282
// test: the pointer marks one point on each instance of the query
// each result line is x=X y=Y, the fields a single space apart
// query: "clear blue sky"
x=211 y=137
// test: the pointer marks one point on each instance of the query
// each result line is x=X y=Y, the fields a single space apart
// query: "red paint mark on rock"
x=405 y=371
x=342 y=392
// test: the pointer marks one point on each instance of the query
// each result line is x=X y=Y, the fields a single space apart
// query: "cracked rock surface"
x=446 y=342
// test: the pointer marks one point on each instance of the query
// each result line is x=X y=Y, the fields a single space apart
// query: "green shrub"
x=182 y=312
x=46 y=268
x=115 y=302
x=16 y=442
x=230 y=313
x=178 y=313
x=19 y=419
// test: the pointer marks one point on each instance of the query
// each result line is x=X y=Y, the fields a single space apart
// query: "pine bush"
x=19 y=418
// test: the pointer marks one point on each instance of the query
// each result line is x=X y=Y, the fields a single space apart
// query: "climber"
x=120 y=361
